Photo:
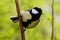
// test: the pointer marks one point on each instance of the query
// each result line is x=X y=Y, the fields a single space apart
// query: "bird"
x=30 y=17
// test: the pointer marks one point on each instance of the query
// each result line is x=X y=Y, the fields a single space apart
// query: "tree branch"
x=52 y=36
x=20 y=20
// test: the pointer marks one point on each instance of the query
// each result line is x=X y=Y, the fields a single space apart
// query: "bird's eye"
x=34 y=11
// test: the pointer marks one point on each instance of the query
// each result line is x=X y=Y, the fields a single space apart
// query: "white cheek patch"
x=34 y=11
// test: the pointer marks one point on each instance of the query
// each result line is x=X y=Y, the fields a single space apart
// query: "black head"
x=36 y=13
x=36 y=10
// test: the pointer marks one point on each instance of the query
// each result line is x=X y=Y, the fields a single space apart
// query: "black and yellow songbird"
x=30 y=18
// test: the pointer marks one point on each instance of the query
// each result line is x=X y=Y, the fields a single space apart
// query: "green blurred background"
x=11 y=31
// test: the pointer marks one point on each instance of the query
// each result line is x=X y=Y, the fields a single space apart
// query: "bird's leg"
x=20 y=15
x=24 y=29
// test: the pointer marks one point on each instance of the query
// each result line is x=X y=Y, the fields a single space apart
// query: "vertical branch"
x=52 y=36
x=20 y=20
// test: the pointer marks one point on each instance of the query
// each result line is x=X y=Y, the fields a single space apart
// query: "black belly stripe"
x=25 y=24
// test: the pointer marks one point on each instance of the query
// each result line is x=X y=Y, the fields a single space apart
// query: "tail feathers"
x=14 y=19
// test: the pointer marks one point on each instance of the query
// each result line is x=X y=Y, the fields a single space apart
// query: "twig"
x=52 y=36
x=20 y=20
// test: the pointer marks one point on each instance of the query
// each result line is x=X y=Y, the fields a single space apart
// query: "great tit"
x=30 y=18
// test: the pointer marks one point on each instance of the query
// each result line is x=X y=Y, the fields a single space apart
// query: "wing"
x=26 y=16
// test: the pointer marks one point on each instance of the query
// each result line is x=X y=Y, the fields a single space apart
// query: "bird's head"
x=36 y=10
